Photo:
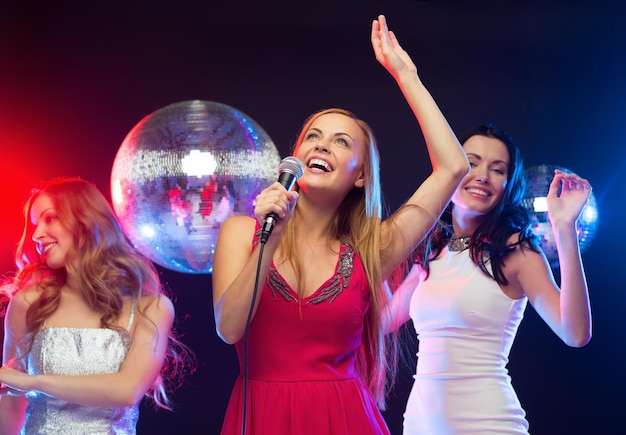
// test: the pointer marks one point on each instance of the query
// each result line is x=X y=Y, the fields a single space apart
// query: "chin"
x=55 y=265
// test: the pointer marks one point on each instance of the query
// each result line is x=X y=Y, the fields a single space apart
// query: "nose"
x=38 y=234
x=481 y=175
x=321 y=146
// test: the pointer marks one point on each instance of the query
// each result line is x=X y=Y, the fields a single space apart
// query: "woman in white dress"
x=468 y=289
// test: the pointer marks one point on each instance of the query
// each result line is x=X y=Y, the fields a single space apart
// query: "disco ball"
x=538 y=183
x=181 y=171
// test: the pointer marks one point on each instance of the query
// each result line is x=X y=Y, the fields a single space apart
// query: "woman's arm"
x=127 y=387
x=396 y=312
x=12 y=414
x=235 y=263
x=13 y=403
x=566 y=310
x=449 y=162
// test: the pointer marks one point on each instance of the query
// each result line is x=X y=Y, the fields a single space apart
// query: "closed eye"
x=50 y=217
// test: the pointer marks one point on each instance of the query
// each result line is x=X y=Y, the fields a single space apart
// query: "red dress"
x=301 y=360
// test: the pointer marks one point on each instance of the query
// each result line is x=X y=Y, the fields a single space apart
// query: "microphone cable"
x=245 y=341
x=290 y=170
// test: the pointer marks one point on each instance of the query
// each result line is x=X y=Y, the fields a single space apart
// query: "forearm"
x=396 y=311
x=102 y=390
x=574 y=296
x=390 y=313
x=449 y=163
x=443 y=147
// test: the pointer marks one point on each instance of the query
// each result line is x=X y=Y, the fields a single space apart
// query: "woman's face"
x=484 y=186
x=53 y=240
x=332 y=152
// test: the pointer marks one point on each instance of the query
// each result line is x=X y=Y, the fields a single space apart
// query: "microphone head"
x=292 y=166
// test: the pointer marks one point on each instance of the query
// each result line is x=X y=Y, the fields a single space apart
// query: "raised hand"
x=388 y=50
x=564 y=208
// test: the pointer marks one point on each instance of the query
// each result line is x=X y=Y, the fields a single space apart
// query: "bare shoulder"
x=523 y=248
x=238 y=227
x=234 y=240
x=523 y=259
x=232 y=251
x=22 y=299
x=15 y=320
x=157 y=308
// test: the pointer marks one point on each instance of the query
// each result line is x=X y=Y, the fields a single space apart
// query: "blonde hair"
x=358 y=223
x=102 y=263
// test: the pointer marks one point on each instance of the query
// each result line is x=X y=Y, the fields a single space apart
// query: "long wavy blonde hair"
x=103 y=264
x=358 y=222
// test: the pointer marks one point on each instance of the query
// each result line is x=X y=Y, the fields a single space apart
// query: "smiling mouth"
x=478 y=192
x=43 y=249
x=319 y=165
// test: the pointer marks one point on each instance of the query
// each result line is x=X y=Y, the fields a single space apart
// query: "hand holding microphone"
x=290 y=170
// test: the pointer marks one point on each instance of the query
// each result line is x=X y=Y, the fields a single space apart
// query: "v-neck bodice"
x=330 y=288
x=324 y=329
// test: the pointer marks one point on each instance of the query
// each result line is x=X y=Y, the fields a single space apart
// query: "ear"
x=360 y=181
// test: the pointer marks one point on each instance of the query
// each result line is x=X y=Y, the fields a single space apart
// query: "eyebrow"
x=341 y=133
x=480 y=158
x=43 y=213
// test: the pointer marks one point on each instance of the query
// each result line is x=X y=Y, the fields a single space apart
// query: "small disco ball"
x=538 y=183
x=181 y=171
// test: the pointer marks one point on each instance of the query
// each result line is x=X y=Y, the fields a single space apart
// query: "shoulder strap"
x=131 y=319
x=257 y=235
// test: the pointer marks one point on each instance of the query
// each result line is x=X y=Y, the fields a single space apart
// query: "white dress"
x=78 y=352
x=466 y=326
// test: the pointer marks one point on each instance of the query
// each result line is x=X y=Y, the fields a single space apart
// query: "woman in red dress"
x=316 y=356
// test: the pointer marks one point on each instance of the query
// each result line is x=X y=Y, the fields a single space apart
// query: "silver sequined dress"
x=77 y=352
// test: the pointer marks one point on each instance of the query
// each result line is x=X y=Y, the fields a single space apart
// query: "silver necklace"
x=458 y=243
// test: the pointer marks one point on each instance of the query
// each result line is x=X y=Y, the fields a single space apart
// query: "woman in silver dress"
x=88 y=329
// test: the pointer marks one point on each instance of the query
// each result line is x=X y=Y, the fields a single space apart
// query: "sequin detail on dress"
x=336 y=284
x=77 y=352
x=278 y=285
x=341 y=279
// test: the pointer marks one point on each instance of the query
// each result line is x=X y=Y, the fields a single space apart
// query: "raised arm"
x=566 y=310
x=127 y=387
x=449 y=162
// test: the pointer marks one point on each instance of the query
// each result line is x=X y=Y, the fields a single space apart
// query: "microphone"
x=290 y=170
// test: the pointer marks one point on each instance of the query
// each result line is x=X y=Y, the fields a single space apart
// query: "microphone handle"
x=268 y=226
x=287 y=180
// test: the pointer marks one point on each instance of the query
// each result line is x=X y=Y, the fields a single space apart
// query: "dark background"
x=75 y=77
